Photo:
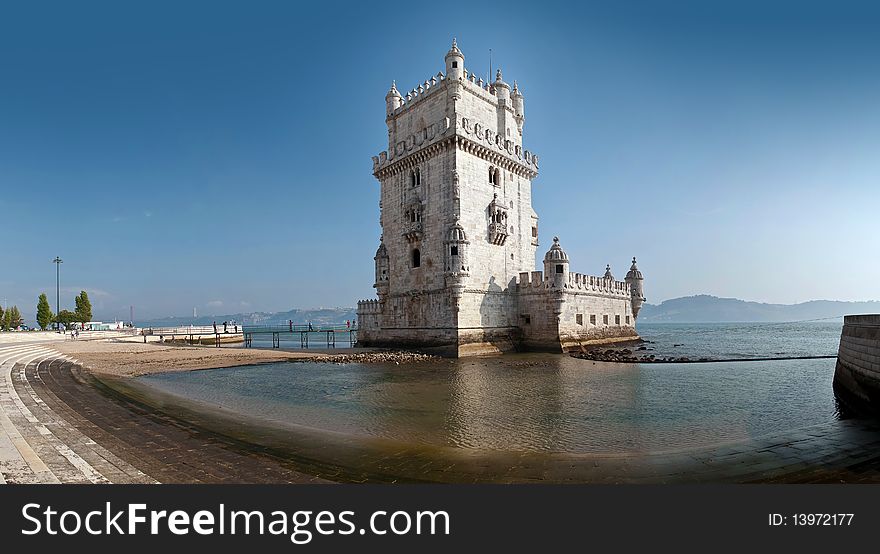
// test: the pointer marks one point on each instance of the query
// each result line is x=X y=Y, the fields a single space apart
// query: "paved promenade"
x=37 y=445
x=57 y=428
x=60 y=425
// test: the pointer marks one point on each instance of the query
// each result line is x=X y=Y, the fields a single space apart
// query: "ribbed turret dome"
x=456 y=233
x=515 y=91
x=634 y=272
x=381 y=252
x=556 y=253
x=454 y=51
x=393 y=92
x=499 y=80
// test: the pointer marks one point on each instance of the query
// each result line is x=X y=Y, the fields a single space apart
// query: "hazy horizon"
x=217 y=155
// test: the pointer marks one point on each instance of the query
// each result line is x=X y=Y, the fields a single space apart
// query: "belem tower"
x=455 y=268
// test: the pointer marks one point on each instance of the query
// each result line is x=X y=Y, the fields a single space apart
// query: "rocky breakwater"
x=857 y=374
x=627 y=355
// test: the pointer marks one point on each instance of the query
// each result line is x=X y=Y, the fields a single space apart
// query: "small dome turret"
x=556 y=266
x=454 y=51
x=502 y=89
x=454 y=62
x=382 y=269
x=381 y=252
x=556 y=253
x=393 y=99
x=456 y=233
x=634 y=272
x=516 y=98
x=608 y=274
x=637 y=287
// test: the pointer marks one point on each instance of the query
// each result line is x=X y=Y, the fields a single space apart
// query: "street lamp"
x=57 y=261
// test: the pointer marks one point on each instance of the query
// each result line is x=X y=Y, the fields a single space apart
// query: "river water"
x=551 y=403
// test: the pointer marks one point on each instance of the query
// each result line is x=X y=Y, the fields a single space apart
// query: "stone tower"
x=458 y=228
x=456 y=210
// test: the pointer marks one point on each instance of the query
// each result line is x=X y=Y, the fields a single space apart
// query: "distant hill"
x=704 y=308
x=319 y=316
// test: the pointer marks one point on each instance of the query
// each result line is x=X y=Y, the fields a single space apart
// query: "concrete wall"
x=857 y=375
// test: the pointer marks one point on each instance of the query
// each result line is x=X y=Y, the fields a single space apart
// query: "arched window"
x=491 y=175
x=418 y=177
x=496 y=178
x=454 y=251
x=416 y=258
x=412 y=178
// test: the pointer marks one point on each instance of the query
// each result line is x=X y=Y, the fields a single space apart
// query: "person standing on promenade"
x=310 y=325
x=215 y=327
x=224 y=327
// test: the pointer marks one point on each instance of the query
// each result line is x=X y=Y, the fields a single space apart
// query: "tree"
x=66 y=317
x=15 y=319
x=1 y=317
x=6 y=320
x=44 y=312
x=83 y=307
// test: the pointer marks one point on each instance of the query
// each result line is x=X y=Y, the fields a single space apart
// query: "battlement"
x=419 y=93
x=484 y=89
x=536 y=280
x=367 y=307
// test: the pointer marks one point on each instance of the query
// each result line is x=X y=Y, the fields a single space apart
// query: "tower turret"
x=502 y=89
x=382 y=267
x=456 y=261
x=556 y=265
x=608 y=274
x=517 y=99
x=454 y=62
x=636 y=285
x=393 y=100
x=456 y=251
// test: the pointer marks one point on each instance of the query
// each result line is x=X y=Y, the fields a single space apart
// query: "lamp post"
x=57 y=261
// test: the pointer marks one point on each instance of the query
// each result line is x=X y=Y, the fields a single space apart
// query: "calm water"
x=550 y=402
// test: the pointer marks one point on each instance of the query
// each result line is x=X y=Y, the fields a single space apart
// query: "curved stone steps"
x=37 y=444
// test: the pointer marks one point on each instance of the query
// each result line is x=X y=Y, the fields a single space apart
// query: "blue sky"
x=217 y=154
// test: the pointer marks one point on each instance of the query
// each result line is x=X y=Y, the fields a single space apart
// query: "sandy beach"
x=133 y=359
x=125 y=358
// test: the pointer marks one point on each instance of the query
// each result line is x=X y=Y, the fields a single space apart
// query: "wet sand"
x=120 y=358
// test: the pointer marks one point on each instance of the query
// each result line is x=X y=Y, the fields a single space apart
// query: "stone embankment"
x=857 y=375
x=372 y=357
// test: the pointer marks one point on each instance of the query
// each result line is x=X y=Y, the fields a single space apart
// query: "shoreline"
x=128 y=432
x=129 y=359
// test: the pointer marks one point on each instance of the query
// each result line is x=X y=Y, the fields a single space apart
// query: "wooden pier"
x=328 y=334
x=207 y=334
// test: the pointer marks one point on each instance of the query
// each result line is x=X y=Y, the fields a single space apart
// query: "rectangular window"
x=534 y=232
x=593 y=319
x=580 y=319
x=558 y=268
x=605 y=319
x=527 y=319
x=455 y=65
x=617 y=320
x=627 y=320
